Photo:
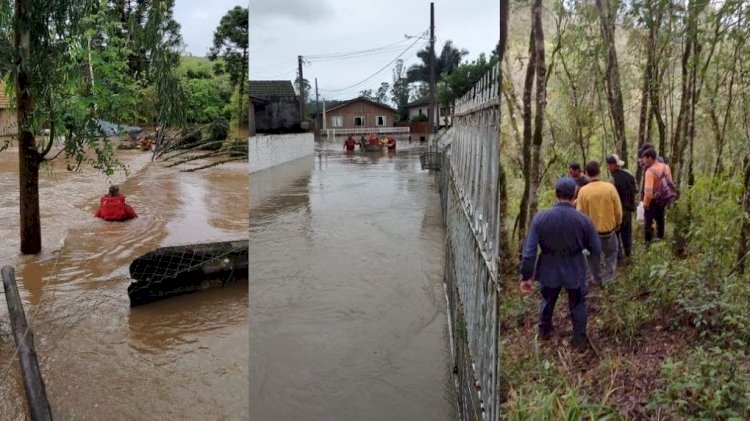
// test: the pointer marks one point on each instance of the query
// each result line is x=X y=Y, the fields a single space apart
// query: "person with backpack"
x=659 y=193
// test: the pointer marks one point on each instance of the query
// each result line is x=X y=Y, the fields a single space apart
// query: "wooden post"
x=36 y=395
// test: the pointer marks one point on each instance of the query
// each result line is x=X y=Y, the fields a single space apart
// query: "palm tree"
x=450 y=57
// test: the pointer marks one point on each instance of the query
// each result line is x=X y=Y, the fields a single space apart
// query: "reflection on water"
x=185 y=357
x=348 y=315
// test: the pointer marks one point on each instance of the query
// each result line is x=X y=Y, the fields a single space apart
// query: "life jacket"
x=349 y=144
x=113 y=208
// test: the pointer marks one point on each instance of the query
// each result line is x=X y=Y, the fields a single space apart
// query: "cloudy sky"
x=321 y=30
x=199 y=20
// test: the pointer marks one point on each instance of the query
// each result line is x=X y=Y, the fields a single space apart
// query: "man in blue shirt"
x=562 y=234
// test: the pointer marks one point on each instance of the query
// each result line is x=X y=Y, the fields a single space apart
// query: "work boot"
x=579 y=343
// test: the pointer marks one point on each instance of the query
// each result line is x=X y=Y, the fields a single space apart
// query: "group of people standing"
x=591 y=219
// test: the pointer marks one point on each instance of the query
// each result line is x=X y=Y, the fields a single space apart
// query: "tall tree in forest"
x=504 y=254
x=607 y=15
x=230 y=43
x=533 y=132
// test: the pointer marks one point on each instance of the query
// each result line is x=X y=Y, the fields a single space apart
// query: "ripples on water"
x=185 y=357
x=348 y=315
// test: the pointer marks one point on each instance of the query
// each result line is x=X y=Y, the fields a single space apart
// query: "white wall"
x=265 y=151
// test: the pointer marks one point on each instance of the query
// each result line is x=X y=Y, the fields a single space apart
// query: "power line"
x=358 y=55
x=376 y=73
x=345 y=54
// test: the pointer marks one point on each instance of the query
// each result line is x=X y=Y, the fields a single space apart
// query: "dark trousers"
x=576 y=304
x=653 y=214
x=626 y=235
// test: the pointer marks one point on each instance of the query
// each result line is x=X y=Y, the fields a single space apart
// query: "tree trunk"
x=577 y=124
x=507 y=263
x=541 y=102
x=523 y=212
x=742 y=244
x=28 y=156
x=240 y=111
x=612 y=75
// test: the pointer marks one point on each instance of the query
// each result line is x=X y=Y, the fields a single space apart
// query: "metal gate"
x=469 y=194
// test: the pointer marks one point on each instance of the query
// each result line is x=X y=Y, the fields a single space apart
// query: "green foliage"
x=454 y=85
x=207 y=99
x=420 y=117
x=537 y=390
x=231 y=43
x=711 y=383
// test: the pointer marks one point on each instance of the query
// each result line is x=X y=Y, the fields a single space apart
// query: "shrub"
x=710 y=384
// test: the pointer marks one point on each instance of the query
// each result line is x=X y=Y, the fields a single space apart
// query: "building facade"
x=421 y=107
x=360 y=115
x=274 y=107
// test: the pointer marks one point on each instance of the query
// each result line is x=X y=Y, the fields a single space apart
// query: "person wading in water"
x=113 y=207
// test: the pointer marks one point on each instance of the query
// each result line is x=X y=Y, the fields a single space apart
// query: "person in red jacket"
x=349 y=143
x=113 y=207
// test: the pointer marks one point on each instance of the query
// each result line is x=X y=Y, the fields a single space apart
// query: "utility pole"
x=301 y=91
x=433 y=115
x=317 y=109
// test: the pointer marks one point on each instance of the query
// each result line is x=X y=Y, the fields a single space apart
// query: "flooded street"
x=348 y=315
x=182 y=358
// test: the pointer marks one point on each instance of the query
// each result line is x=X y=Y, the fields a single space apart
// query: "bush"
x=420 y=117
x=710 y=384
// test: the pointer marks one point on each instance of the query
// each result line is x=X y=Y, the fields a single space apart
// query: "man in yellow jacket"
x=600 y=201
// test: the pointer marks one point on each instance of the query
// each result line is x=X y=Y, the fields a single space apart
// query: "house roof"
x=419 y=103
x=4 y=100
x=361 y=98
x=267 y=89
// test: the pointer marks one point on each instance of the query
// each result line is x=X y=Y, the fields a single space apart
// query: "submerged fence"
x=469 y=194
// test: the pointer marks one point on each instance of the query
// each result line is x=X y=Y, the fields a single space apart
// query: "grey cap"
x=565 y=187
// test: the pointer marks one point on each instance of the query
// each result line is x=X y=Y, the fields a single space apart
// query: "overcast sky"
x=199 y=20
x=280 y=30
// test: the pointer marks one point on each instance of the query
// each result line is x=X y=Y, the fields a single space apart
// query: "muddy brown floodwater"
x=182 y=358
x=347 y=307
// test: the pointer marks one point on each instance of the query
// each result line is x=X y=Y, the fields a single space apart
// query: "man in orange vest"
x=113 y=207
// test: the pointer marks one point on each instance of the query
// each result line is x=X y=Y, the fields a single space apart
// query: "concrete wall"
x=266 y=151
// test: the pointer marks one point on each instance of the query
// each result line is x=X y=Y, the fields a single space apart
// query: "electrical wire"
x=314 y=57
x=377 y=72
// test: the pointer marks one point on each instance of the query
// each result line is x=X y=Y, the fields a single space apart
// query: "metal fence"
x=401 y=130
x=468 y=189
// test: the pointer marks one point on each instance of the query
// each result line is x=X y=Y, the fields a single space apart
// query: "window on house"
x=337 y=121
x=380 y=120
x=420 y=111
x=359 y=121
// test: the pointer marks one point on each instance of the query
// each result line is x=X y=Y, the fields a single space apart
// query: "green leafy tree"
x=67 y=64
x=449 y=59
x=454 y=85
x=231 y=43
